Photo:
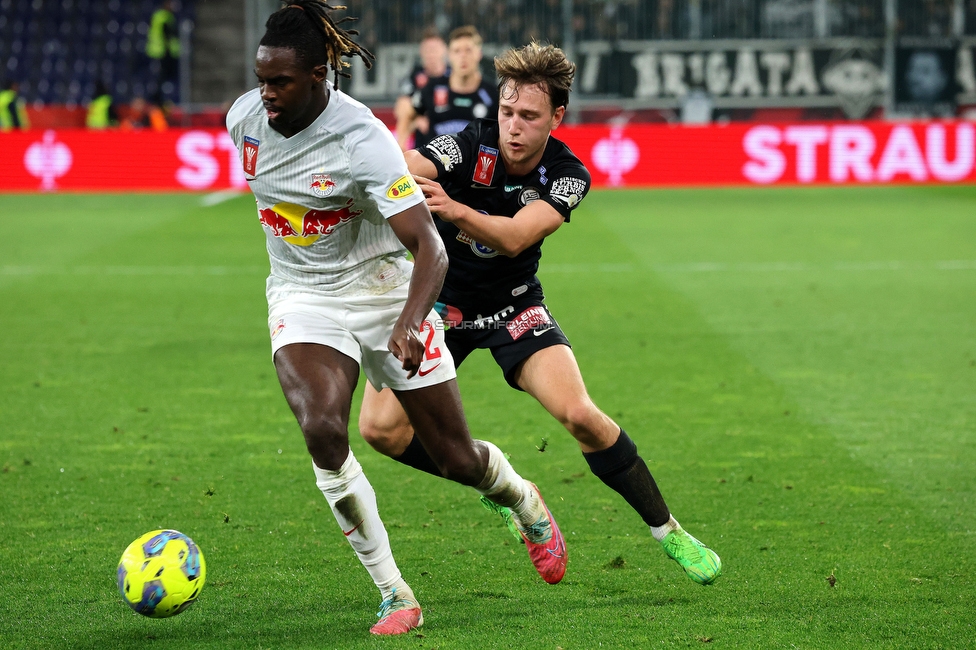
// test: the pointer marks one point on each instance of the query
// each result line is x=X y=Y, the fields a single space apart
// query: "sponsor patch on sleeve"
x=447 y=151
x=404 y=186
x=568 y=190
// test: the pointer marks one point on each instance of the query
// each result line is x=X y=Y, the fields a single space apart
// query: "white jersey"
x=323 y=197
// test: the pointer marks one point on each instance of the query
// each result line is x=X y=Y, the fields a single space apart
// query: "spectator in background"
x=102 y=112
x=157 y=114
x=729 y=19
x=433 y=64
x=145 y=115
x=163 y=46
x=450 y=103
x=860 y=18
x=925 y=17
x=13 y=111
x=665 y=19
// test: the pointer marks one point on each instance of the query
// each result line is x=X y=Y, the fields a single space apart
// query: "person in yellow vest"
x=101 y=111
x=13 y=114
x=163 y=44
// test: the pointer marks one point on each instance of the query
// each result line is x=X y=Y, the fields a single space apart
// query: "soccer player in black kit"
x=499 y=188
x=449 y=103
x=433 y=64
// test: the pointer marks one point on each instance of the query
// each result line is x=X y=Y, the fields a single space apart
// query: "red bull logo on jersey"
x=278 y=328
x=484 y=171
x=303 y=226
x=280 y=226
x=322 y=185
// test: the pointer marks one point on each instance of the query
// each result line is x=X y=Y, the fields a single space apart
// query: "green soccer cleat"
x=701 y=563
x=505 y=514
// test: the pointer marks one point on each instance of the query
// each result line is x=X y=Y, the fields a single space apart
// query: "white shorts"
x=360 y=328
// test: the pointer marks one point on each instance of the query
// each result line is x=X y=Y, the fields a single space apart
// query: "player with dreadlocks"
x=340 y=211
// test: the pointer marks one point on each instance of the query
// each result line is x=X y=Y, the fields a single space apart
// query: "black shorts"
x=513 y=332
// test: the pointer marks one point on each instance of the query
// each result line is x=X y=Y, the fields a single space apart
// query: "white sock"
x=353 y=503
x=660 y=532
x=503 y=485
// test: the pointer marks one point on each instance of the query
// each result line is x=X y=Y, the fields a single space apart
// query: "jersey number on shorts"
x=430 y=353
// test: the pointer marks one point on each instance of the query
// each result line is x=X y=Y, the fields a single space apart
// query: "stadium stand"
x=628 y=51
x=58 y=49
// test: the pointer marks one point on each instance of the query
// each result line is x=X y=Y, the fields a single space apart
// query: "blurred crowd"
x=519 y=21
x=120 y=59
x=112 y=62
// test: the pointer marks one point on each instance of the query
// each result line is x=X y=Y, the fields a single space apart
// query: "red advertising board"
x=633 y=156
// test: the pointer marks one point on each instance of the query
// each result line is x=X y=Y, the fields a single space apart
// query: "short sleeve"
x=567 y=188
x=452 y=154
x=244 y=106
x=419 y=101
x=407 y=86
x=378 y=166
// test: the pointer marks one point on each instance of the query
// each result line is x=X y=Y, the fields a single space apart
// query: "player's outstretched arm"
x=508 y=236
x=414 y=227
x=420 y=166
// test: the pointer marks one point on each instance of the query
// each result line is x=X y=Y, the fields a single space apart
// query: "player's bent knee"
x=370 y=430
x=582 y=418
x=591 y=428
x=389 y=437
x=324 y=433
x=321 y=424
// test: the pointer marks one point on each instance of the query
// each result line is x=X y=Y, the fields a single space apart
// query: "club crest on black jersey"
x=471 y=171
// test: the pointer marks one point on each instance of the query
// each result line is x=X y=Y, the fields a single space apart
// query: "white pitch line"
x=132 y=270
x=584 y=267
x=214 y=198
x=789 y=267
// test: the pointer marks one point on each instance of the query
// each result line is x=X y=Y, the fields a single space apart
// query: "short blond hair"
x=465 y=31
x=535 y=63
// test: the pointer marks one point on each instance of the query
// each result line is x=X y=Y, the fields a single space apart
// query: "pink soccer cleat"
x=397 y=616
x=545 y=544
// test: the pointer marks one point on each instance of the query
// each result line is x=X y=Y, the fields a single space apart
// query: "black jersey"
x=448 y=111
x=471 y=171
x=414 y=81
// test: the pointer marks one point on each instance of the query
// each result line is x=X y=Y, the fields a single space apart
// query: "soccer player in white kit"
x=340 y=211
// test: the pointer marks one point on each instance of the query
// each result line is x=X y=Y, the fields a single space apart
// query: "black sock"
x=417 y=457
x=625 y=472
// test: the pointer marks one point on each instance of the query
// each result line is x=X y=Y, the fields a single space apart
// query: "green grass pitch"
x=798 y=367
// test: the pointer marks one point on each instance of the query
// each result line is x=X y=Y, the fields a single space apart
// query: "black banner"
x=926 y=72
x=829 y=73
x=744 y=74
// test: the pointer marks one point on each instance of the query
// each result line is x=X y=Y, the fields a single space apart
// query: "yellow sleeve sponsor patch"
x=404 y=186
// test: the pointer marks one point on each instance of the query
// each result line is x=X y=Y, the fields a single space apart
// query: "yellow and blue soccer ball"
x=161 y=573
